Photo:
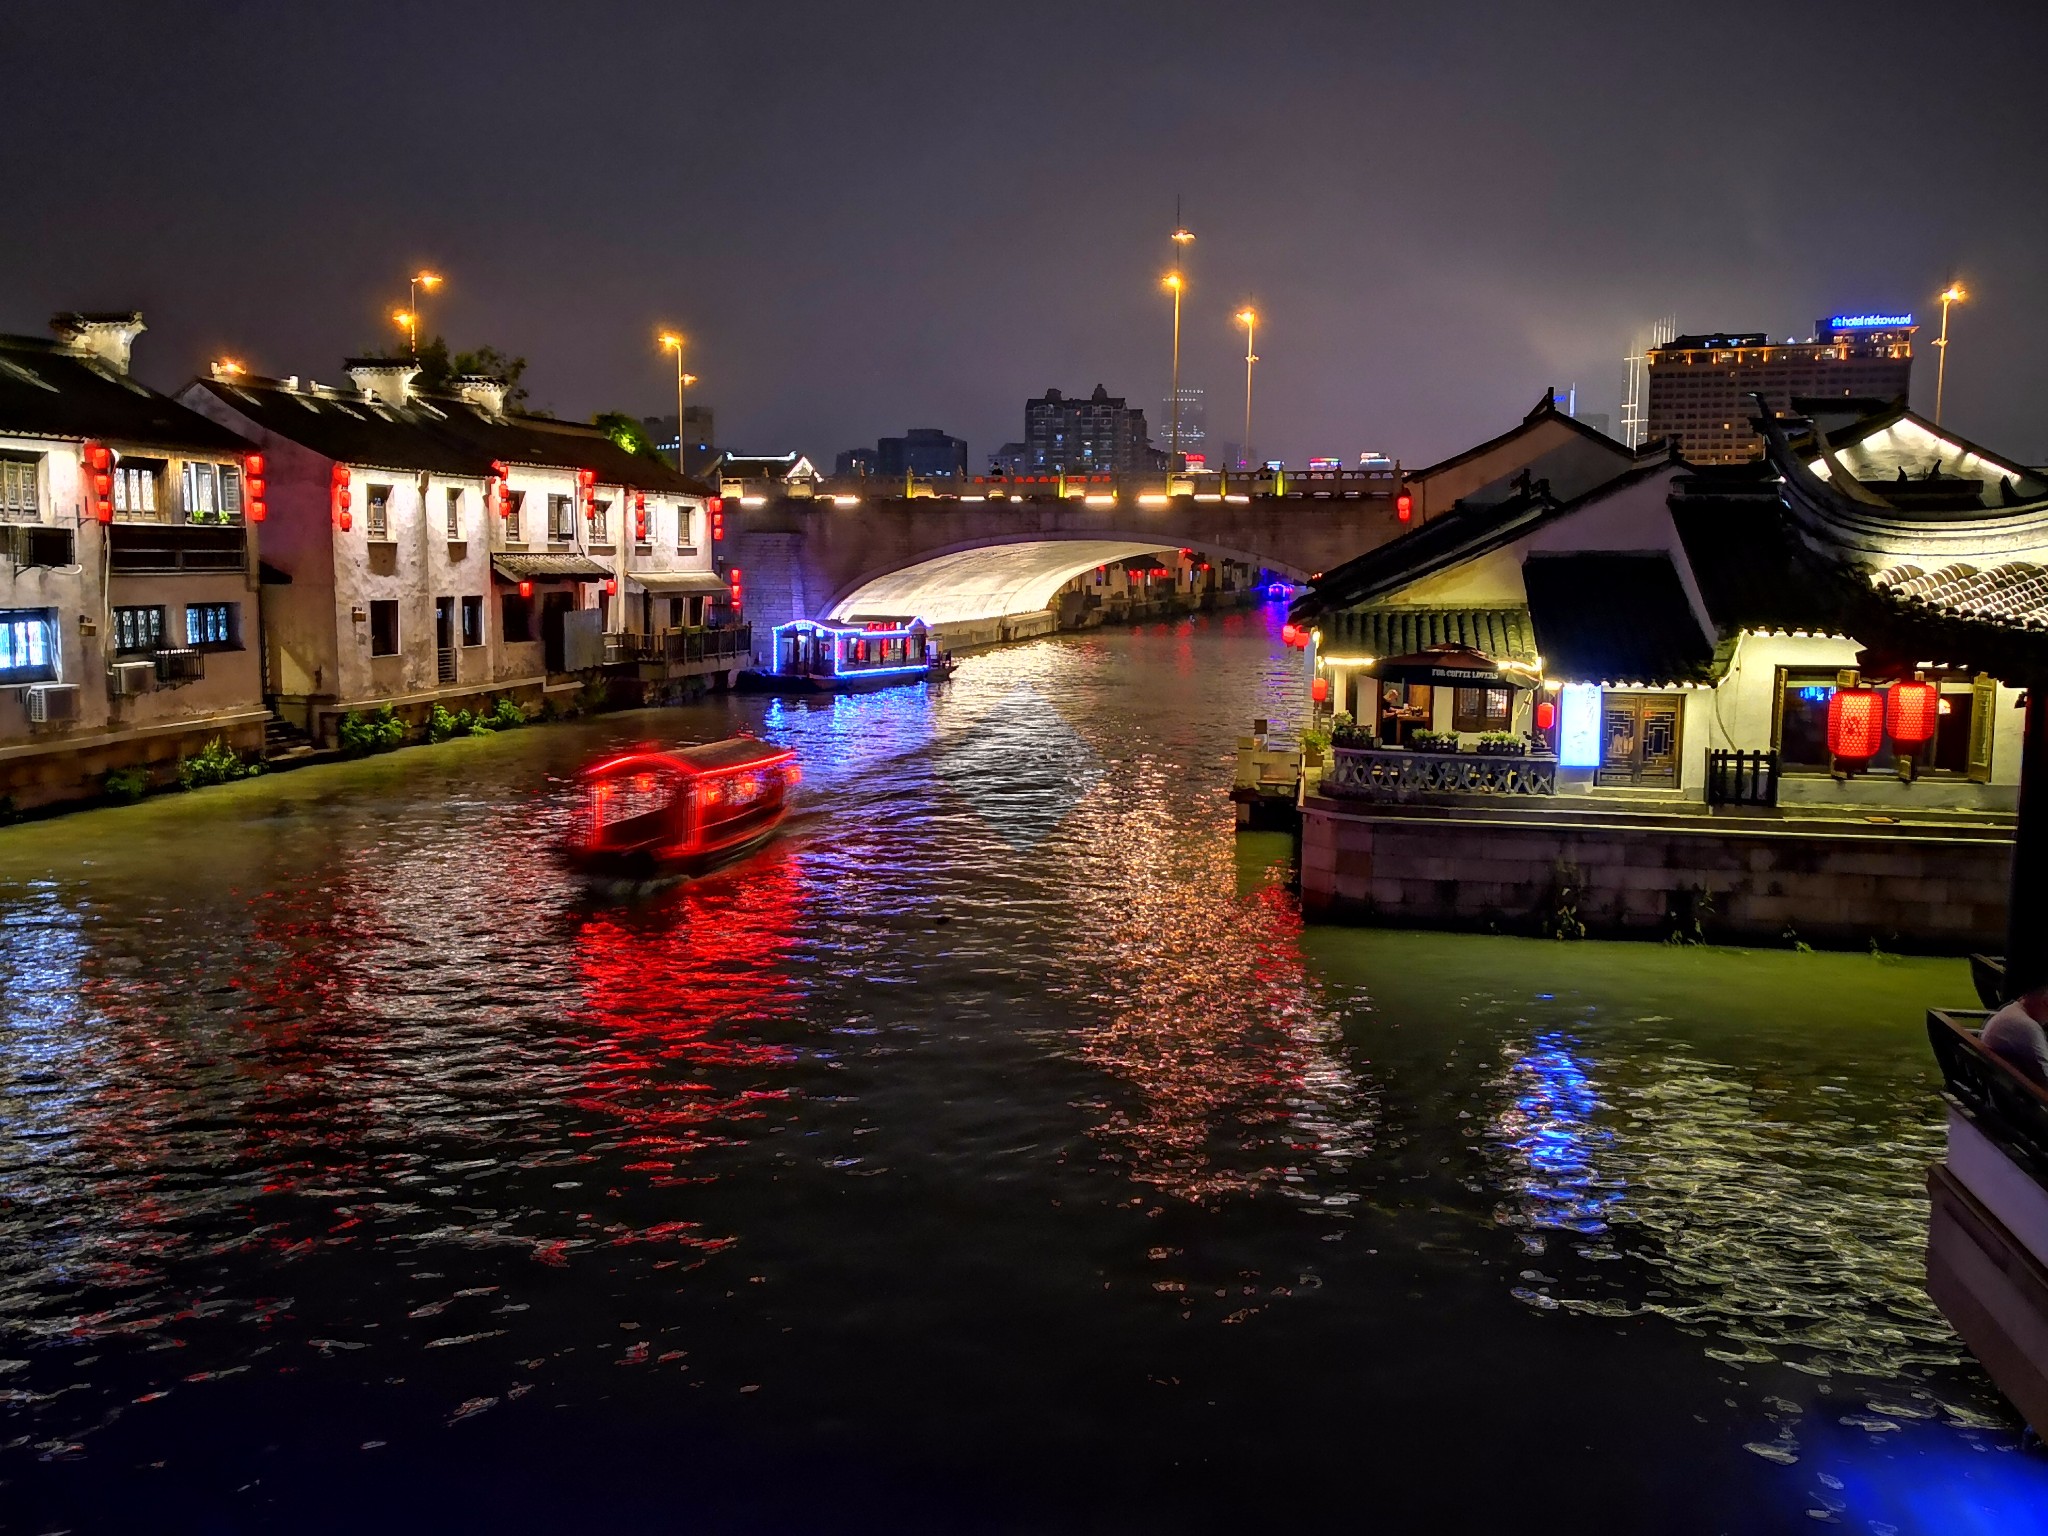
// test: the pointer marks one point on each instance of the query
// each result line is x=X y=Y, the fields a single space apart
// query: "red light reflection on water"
x=678 y=991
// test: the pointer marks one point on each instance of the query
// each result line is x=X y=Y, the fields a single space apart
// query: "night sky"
x=870 y=217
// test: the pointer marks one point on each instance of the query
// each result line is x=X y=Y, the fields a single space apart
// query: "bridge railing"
x=731 y=644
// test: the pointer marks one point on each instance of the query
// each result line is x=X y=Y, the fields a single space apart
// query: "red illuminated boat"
x=647 y=815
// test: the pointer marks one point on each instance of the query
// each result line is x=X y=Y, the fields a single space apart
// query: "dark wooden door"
x=1639 y=739
x=554 y=608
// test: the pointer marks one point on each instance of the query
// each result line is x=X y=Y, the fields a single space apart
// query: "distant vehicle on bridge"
x=850 y=656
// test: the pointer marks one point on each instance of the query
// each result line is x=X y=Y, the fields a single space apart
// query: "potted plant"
x=1434 y=741
x=1503 y=744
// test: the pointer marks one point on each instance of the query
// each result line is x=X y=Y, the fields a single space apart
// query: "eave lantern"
x=259 y=509
x=99 y=469
x=1546 y=714
x=338 y=493
x=1288 y=634
x=1910 y=709
x=640 y=516
x=1319 y=690
x=1855 y=723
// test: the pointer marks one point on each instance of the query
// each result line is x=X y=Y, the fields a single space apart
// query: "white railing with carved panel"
x=1368 y=773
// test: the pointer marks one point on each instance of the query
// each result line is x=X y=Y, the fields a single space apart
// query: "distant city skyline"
x=818 y=314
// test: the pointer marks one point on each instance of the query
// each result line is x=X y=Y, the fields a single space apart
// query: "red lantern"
x=1909 y=713
x=1546 y=715
x=1319 y=690
x=1855 y=723
x=254 y=463
x=526 y=589
x=611 y=586
x=338 y=494
x=640 y=516
x=99 y=465
x=1404 y=506
x=1287 y=634
x=738 y=597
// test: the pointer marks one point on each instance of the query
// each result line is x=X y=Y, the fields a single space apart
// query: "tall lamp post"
x=672 y=342
x=408 y=321
x=427 y=281
x=1182 y=238
x=1952 y=294
x=1249 y=319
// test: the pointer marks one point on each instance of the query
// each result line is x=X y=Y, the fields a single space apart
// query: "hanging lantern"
x=1287 y=634
x=1319 y=690
x=1855 y=723
x=1546 y=714
x=526 y=589
x=338 y=493
x=1404 y=506
x=1910 y=710
x=99 y=464
x=611 y=586
x=640 y=516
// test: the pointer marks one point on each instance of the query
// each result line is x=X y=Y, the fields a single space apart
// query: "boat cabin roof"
x=867 y=624
x=710 y=759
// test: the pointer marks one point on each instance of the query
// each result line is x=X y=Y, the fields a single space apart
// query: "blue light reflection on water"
x=1922 y=1478
x=1549 y=1128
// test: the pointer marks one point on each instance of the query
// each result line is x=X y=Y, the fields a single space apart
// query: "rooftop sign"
x=1867 y=322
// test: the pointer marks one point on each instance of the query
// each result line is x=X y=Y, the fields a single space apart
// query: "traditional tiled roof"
x=547 y=567
x=1545 y=410
x=50 y=390
x=2014 y=593
x=1396 y=630
x=1615 y=618
x=438 y=434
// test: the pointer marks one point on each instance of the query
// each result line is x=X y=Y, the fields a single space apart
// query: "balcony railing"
x=682 y=645
x=1375 y=773
x=1742 y=778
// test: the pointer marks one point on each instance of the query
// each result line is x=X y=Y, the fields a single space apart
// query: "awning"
x=1447 y=667
x=1398 y=629
x=679 y=583
x=548 y=567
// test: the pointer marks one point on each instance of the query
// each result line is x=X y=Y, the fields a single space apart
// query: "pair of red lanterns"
x=1860 y=718
x=1295 y=636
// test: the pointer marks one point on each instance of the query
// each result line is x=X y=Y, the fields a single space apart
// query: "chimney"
x=384 y=379
x=108 y=335
x=482 y=391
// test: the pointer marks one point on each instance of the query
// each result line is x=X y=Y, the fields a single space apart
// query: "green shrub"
x=377 y=732
x=1315 y=741
x=592 y=696
x=217 y=763
x=465 y=722
x=440 y=724
x=125 y=786
x=505 y=714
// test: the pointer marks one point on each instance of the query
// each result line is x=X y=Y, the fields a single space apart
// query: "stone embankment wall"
x=1742 y=881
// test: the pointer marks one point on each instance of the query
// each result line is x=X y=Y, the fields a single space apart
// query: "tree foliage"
x=628 y=433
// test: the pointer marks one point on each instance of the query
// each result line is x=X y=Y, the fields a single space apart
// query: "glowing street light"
x=409 y=321
x=672 y=341
x=1249 y=319
x=1182 y=238
x=428 y=281
x=1952 y=294
x=226 y=368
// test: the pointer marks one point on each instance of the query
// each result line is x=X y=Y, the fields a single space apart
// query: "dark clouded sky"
x=872 y=216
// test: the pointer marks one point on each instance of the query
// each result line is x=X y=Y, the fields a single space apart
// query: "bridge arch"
x=1005 y=577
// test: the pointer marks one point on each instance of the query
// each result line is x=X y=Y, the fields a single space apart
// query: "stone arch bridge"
x=967 y=565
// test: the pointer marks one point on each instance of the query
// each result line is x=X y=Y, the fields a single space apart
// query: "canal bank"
x=994 y=1152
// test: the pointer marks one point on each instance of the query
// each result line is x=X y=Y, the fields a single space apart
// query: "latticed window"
x=380 y=511
x=454 y=515
x=561 y=519
x=210 y=624
x=139 y=629
x=600 y=521
x=20 y=499
x=135 y=490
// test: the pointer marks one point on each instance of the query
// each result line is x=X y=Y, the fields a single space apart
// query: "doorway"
x=444 y=639
x=1639 y=740
x=555 y=607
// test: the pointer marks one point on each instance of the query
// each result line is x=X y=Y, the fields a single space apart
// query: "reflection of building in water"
x=676 y=990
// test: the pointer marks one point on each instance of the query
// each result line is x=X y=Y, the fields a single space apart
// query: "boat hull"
x=798 y=684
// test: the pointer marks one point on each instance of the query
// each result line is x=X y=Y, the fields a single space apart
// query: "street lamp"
x=409 y=322
x=673 y=342
x=428 y=281
x=1249 y=319
x=1182 y=238
x=1952 y=294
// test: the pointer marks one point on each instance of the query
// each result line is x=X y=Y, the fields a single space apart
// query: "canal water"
x=996 y=1152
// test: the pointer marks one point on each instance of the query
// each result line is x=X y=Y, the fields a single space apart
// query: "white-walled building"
x=129 y=608
x=433 y=549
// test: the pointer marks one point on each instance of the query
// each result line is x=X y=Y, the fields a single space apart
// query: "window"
x=516 y=618
x=686 y=529
x=138 y=629
x=472 y=621
x=383 y=626
x=514 y=500
x=1479 y=709
x=19 y=500
x=28 y=645
x=454 y=517
x=213 y=626
x=561 y=519
x=135 y=489
x=213 y=493
x=380 y=515
x=600 y=521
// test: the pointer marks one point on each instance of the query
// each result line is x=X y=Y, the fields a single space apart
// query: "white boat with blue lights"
x=850 y=656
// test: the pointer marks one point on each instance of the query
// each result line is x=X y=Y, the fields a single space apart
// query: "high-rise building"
x=1099 y=435
x=703 y=438
x=1194 y=420
x=1700 y=386
x=924 y=452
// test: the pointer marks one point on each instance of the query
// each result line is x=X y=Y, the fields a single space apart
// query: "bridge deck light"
x=1239 y=500
x=1100 y=499
x=845 y=501
x=1152 y=499
x=753 y=501
x=1208 y=496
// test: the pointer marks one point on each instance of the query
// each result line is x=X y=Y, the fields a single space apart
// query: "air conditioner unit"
x=47 y=702
x=125 y=679
x=180 y=666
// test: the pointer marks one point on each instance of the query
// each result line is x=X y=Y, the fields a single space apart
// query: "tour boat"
x=850 y=656
x=649 y=816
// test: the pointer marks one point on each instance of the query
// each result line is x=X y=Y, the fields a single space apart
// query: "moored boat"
x=647 y=815
x=849 y=656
